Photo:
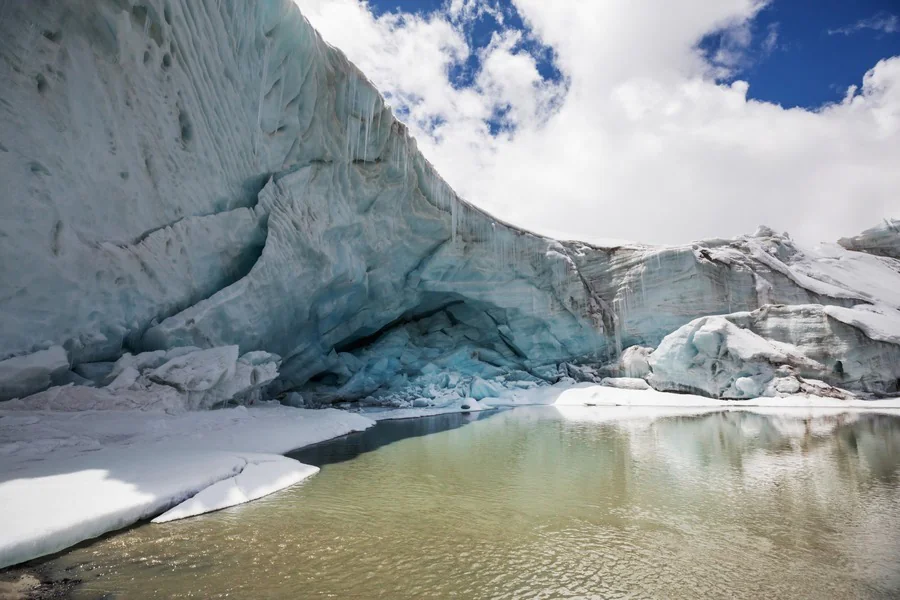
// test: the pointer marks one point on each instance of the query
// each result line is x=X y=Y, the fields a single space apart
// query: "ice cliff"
x=185 y=176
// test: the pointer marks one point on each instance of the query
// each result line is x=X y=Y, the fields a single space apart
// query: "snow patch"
x=262 y=475
x=68 y=477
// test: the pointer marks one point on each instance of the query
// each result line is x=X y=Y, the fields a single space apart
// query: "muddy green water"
x=547 y=503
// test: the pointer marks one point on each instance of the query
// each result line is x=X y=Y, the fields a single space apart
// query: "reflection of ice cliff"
x=742 y=443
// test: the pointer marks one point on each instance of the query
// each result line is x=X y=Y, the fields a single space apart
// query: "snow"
x=588 y=394
x=873 y=278
x=68 y=477
x=879 y=323
x=262 y=475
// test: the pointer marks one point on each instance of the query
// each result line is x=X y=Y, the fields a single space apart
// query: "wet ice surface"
x=545 y=502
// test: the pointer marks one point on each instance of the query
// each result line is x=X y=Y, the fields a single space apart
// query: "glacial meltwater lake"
x=547 y=502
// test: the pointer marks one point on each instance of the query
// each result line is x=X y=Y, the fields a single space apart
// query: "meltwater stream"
x=547 y=503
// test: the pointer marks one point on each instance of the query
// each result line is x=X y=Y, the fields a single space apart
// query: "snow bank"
x=262 y=475
x=590 y=394
x=68 y=477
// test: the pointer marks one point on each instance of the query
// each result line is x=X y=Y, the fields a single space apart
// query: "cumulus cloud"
x=640 y=138
x=883 y=22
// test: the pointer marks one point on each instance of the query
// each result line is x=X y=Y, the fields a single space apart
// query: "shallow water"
x=547 y=503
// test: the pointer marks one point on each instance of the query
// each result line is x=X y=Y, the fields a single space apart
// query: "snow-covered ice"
x=263 y=474
x=67 y=477
x=588 y=394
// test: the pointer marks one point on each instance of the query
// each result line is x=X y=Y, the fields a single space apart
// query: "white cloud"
x=770 y=43
x=882 y=21
x=640 y=140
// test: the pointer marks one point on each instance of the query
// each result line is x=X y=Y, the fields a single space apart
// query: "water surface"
x=547 y=503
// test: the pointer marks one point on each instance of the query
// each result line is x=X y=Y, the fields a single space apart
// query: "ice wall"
x=210 y=172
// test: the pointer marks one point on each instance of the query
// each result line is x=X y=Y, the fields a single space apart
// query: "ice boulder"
x=625 y=383
x=777 y=350
x=190 y=380
x=858 y=348
x=714 y=357
x=481 y=389
x=24 y=375
x=633 y=362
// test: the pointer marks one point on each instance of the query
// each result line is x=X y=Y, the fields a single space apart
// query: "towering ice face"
x=210 y=173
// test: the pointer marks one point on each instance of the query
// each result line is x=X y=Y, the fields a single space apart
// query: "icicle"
x=147 y=25
x=357 y=136
x=395 y=153
x=262 y=88
x=351 y=100
x=643 y=287
x=728 y=293
x=453 y=221
x=378 y=123
x=280 y=102
x=618 y=330
x=368 y=125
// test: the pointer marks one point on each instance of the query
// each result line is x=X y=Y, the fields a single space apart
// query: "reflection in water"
x=547 y=503
x=352 y=445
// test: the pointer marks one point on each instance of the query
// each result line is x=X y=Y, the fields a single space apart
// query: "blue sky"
x=819 y=51
x=821 y=47
x=644 y=120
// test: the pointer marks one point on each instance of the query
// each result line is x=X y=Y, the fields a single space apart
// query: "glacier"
x=207 y=206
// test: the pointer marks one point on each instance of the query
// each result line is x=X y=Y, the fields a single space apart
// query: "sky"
x=658 y=122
